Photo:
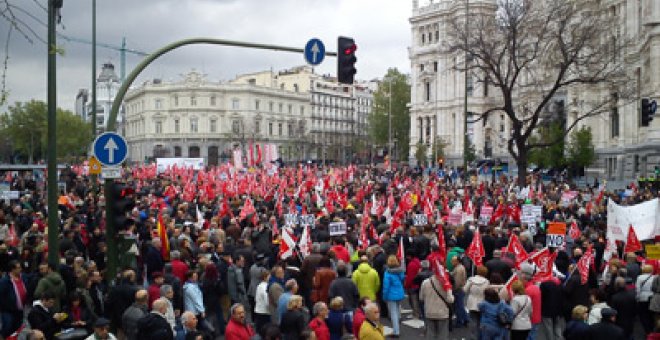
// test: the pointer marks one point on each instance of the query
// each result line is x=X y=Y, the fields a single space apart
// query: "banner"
x=420 y=219
x=238 y=159
x=644 y=217
x=162 y=164
x=337 y=228
x=531 y=214
x=485 y=214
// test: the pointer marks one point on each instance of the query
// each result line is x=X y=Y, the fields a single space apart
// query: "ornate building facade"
x=625 y=149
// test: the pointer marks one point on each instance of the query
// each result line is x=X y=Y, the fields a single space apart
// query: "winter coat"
x=576 y=330
x=348 y=291
x=594 y=313
x=42 y=319
x=474 y=290
x=551 y=299
x=130 y=319
x=522 y=311
x=626 y=306
x=393 y=285
x=52 y=283
x=434 y=306
x=154 y=326
x=292 y=325
x=606 y=330
x=370 y=331
x=236 y=285
x=367 y=281
x=237 y=331
x=321 y=284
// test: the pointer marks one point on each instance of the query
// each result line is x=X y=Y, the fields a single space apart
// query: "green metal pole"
x=466 y=139
x=110 y=236
x=93 y=69
x=53 y=218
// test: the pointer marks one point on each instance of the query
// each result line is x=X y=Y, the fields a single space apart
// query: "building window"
x=159 y=127
x=279 y=129
x=270 y=128
x=257 y=126
x=176 y=126
x=193 y=101
x=256 y=104
x=212 y=100
x=158 y=103
x=235 y=104
x=615 y=115
x=177 y=151
x=270 y=106
x=290 y=108
x=212 y=125
x=194 y=127
x=437 y=36
x=235 y=126
x=290 y=128
x=470 y=86
x=423 y=38
x=302 y=110
x=421 y=67
x=295 y=88
x=427 y=91
x=435 y=66
x=281 y=107
x=176 y=100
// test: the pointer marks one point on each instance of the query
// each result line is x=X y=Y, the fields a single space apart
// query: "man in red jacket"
x=359 y=316
x=179 y=268
x=237 y=329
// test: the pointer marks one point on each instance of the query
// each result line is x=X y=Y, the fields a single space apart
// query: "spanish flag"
x=165 y=242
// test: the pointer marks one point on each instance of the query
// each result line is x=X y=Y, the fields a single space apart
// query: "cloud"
x=380 y=28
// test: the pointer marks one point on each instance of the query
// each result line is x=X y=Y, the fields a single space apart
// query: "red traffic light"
x=350 y=50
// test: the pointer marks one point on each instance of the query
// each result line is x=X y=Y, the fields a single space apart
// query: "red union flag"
x=544 y=261
x=574 y=231
x=583 y=265
x=633 y=244
x=443 y=276
x=516 y=248
x=476 y=249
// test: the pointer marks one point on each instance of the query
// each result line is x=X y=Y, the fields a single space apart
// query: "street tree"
x=25 y=124
x=581 y=152
x=420 y=153
x=551 y=155
x=394 y=101
x=533 y=51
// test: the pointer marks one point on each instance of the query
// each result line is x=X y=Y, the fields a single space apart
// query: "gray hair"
x=164 y=289
x=185 y=316
x=317 y=308
x=370 y=307
x=234 y=307
x=290 y=284
x=175 y=254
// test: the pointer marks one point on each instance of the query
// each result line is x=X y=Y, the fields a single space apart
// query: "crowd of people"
x=218 y=255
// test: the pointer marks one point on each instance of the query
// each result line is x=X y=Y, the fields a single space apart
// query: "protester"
x=521 y=305
x=367 y=280
x=577 y=328
x=491 y=309
x=393 y=291
x=293 y=321
x=437 y=305
x=318 y=323
x=101 y=330
x=371 y=328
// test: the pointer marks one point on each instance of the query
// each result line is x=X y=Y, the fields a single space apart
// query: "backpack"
x=504 y=318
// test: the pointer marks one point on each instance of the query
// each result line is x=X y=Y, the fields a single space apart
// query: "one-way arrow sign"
x=110 y=149
x=314 y=51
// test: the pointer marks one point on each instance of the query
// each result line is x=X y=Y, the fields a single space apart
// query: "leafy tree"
x=378 y=120
x=26 y=125
x=552 y=155
x=438 y=149
x=471 y=152
x=531 y=51
x=581 y=151
x=420 y=153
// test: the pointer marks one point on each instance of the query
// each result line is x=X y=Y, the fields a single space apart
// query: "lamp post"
x=465 y=103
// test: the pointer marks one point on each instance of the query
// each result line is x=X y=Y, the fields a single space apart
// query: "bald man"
x=154 y=326
x=134 y=313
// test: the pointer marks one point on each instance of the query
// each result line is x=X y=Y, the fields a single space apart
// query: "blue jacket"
x=192 y=298
x=489 y=313
x=393 y=285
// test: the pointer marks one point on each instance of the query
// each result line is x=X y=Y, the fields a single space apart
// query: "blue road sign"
x=314 y=51
x=110 y=148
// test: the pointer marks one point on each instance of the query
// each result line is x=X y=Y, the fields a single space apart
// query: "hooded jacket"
x=367 y=281
x=52 y=283
x=393 y=284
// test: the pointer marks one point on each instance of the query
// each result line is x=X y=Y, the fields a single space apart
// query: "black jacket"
x=345 y=288
x=605 y=330
x=576 y=330
x=292 y=325
x=41 y=319
x=154 y=327
x=626 y=306
x=575 y=293
x=551 y=299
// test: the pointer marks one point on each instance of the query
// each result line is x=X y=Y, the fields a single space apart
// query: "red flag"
x=476 y=249
x=287 y=244
x=632 y=244
x=443 y=276
x=574 y=231
x=499 y=212
x=258 y=154
x=583 y=265
x=305 y=243
x=224 y=208
x=441 y=243
x=12 y=239
x=544 y=262
x=164 y=240
x=516 y=248
x=247 y=209
x=251 y=154
x=509 y=284
x=400 y=254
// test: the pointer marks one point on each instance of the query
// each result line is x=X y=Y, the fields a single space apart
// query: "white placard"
x=485 y=215
x=337 y=228
x=110 y=172
x=306 y=220
x=420 y=219
x=531 y=214
x=554 y=240
x=644 y=217
x=9 y=195
x=290 y=219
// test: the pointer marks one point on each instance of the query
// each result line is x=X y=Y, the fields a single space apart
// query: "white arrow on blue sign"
x=314 y=51
x=110 y=148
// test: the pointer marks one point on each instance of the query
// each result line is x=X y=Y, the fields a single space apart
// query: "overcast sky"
x=379 y=27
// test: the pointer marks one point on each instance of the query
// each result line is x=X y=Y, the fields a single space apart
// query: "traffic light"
x=648 y=110
x=346 y=60
x=120 y=199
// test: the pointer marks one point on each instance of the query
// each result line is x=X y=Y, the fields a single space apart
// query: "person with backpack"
x=437 y=304
x=496 y=316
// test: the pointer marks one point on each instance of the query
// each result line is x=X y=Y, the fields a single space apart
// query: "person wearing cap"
x=101 y=330
x=607 y=328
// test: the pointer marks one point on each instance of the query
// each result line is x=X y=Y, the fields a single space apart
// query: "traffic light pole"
x=111 y=228
x=53 y=218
